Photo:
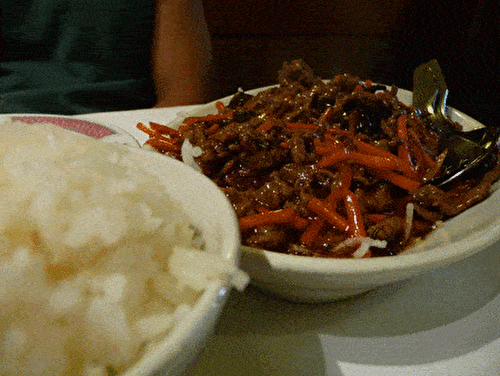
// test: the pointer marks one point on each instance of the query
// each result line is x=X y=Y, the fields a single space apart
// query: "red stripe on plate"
x=81 y=126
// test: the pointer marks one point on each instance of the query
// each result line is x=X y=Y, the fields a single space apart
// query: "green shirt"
x=76 y=56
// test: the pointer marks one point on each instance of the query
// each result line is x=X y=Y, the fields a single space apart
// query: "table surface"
x=445 y=322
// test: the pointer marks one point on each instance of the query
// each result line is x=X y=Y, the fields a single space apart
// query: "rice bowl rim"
x=432 y=257
x=119 y=136
x=173 y=344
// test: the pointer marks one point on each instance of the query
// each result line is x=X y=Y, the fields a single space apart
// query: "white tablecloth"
x=446 y=322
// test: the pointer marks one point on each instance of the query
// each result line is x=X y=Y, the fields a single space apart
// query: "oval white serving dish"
x=307 y=279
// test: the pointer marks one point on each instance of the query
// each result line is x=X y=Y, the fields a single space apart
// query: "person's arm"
x=181 y=53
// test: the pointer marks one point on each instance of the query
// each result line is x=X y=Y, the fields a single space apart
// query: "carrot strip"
x=333 y=199
x=163 y=145
x=331 y=139
x=342 y=132
x=402 y=129
x=399 y=180
x=354 y=215
x=373 y=161
x=345 y=179
x=367 y=148
x=148 y=131
x=312 y=231
x=334 y=157
x=265 y=126
x=163 y=129
x=323 y=211
x=323 y=148
x=285 y=145
x=376 y=217
x=184 y=128
x=220 y=106
x=281 y=216
x=297 y=126
x=299 y=223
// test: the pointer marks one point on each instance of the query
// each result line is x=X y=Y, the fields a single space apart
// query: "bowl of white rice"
x=113 y=260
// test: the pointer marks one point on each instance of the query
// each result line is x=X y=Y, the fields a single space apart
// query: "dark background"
x=383 y=40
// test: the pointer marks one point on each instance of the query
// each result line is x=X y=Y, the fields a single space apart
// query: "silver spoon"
x=465 y=151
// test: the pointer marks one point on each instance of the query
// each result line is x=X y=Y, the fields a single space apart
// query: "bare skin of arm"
x=181 y=53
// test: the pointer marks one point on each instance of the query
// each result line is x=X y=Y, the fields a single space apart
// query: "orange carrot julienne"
x=323 y=148
x=333 y=198
x=354 y=215
x=163 y=129
x=340 y=132
x=148 y=131
x=184 y=128
x=280 y=216
x=299 y=223
x=402 y=129
x=375 y=150
x=331 y=139
x=334 y=157
x=220 y=106
x=367 y=148
x=345 y=179
x=400 y=180
x=311 y=232
x=376 y=217
x=163 y=145
x=323 y=211
x=265 y=126
x=300 y=126
x=372 y=161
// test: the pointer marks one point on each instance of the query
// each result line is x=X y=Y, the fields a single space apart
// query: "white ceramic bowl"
x=307 y=279
x=209 y=211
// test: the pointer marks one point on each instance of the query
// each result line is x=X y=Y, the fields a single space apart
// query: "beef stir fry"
x=331 y=169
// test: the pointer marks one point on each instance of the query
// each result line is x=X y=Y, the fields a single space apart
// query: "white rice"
x=95 y=259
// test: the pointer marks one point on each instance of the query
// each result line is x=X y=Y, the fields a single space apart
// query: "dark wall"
x=383 y=40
